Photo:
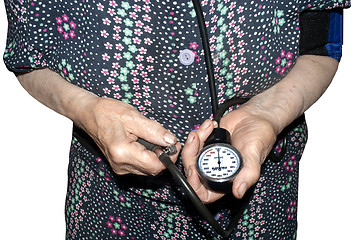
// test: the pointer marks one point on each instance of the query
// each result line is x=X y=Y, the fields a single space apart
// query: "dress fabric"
x=129 y=50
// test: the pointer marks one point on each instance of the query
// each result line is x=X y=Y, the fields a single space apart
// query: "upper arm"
x=321 y=33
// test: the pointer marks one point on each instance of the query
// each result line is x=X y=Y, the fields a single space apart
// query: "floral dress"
x=133 y=51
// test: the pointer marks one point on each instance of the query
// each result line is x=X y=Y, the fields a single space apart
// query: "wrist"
x=278 y=105
x=82 y=111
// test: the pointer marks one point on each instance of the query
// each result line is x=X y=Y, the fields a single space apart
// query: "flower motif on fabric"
x=284 y=62
x=170 y=224
x=116 y=226
x=65 y=70
x=9 y=49
x=253 y=220
x=66 y=27
x=77 y=195
x=191 y=92
x=278 y=21
x=292 y=209
x=290 y=164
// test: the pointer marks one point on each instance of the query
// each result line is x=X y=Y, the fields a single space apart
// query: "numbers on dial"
x=219 y=162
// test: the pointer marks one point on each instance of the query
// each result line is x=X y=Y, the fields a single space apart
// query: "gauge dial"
x=219 y=162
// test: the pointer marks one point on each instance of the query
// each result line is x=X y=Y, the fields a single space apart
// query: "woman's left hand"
x=253 y=135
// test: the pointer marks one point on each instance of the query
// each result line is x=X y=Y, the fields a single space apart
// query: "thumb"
x=190 y=151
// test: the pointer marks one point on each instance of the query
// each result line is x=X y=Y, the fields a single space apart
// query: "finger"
x=247 y=177
x=205 y=130
x=148 y=129
x=132 y=157
x=175 y=156
x=190 y=150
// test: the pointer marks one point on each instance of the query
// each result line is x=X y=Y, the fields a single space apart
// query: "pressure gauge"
x=219 y=162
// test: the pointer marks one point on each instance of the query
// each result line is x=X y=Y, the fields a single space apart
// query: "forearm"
x=53 y=91
x=294 y=94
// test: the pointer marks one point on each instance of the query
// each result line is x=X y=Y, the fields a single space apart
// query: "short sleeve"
x=22 y=52
x=321 y=33
x=322 y=4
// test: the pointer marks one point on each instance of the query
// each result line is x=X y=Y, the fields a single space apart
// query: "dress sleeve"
x=22 y=53
x=321 y=33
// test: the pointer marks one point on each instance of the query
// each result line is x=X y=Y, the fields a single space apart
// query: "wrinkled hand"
x=251 y=133
x=115 y=127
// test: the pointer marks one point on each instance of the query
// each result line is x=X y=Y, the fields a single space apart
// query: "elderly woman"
x=115 y=68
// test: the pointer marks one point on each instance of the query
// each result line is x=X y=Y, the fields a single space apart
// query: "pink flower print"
x=230 y=15
x=72 y=34
x=106 y=21
x=105 y=72
x=148 y=41
x=193 y=45
x=289 y=55
x=149 y=59
x=148 y=29
x=116 y=87
x=133 y=15
x=60 y=29
x=138 y=31
x=100 y=6
x=110 y=80
x=66 y=35
x=117 y=28
x=116 y=36
x=106 y=90
x=146 y=17
x=114 y=231
x=117 y=19
x=139 y=24
x=105 y=57
x=104 y=33
x=59 y=20
x=73 y=25
x=112 y=3
x=283 y=54
x=143 y=50
x=137 y=40
x=111 y=12
x=289 y=64
x=65 y=18
x=139 y=58
x=108 y=45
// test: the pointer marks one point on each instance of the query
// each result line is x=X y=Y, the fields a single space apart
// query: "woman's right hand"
x=115 y=127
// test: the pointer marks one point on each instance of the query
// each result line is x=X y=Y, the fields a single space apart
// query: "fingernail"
x=169 y=138
x=206 y=125
x=187 y=172
x=241 y=190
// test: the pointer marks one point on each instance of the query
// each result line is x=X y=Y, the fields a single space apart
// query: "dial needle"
x=219 y=160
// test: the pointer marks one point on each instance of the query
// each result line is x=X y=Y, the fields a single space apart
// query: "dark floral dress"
x=132 y=51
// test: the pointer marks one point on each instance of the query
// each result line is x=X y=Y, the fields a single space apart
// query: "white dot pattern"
x=129 y=51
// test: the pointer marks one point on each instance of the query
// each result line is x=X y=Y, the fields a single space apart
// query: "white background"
x=34 y=147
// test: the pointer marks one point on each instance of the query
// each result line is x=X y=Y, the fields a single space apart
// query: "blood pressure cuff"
x=321 y=33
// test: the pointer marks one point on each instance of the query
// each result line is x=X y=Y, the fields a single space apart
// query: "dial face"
x=219 y=162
